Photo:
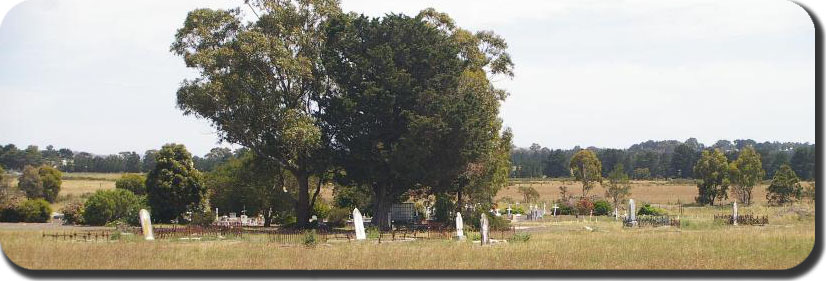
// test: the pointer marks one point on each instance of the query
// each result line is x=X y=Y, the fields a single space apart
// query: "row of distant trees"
x=663 y=159
x=66 y=160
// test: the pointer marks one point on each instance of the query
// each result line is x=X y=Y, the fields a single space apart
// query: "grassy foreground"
x=699 y=244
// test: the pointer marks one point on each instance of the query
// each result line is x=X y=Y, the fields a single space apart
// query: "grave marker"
x=459 y=226
x=484 y=223
x=358 y=221
x=146 y=224
x=734 y=214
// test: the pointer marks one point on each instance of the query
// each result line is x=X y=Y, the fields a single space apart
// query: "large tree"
x=785 y=187
x=587 y=169
x=745 y=173
x=174 y=186
x=619 y=186
x=259 y=81
x=413 y=107
x=711 y=172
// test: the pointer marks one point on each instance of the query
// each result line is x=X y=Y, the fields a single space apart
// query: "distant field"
x=655 y=192
x=77 y=185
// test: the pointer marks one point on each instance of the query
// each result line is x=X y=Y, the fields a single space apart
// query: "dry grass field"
x=655 y=192
x=562 y=243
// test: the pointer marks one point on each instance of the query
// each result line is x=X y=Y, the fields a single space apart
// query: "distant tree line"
x=66 y=160
x=663 y=159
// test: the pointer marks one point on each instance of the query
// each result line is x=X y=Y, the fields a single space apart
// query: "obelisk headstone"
x=632 y=212
x=460 y=225
x=358 y=222
x=483 y=221
x=734 y=214
x=146 y=224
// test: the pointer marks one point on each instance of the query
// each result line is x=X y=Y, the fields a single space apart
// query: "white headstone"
x=460 y=225
x=358 y=221
x=146 y=224
x=632 y=210
x=483 y=221
x=616 y=213
x=734 y=213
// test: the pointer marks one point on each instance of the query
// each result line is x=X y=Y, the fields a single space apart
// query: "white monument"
x=146 y=224
x=734 y=214
x=555 y=207
x=632 y=212
x=460 y=225
x=483 y=221
x=358 y=221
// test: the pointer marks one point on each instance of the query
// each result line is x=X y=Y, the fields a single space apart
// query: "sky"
x=97 y=76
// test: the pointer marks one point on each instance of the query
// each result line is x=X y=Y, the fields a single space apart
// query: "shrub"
x=320 y=209
x=602 y=208
x=584 y=206
x=73 y=213
x=203 y=218
x=651 y=211
x=338 y=217
x=310 y=239
x=521 y=237
x=111 y=205
x=34 y=210
x=135 y=183
x=517 y=210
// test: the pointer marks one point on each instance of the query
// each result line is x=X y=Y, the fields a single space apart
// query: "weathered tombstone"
x=358 y=222
x=616 y=213
x=146 y=224
x=483 y=221
x=632 y=212
x=460 y=225
x=734 y=214
x=544 y=208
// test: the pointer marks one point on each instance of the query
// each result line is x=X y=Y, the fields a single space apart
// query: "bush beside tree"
x=107 y=206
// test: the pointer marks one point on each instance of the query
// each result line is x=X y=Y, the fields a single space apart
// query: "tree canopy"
x=174 y=186
x=712 y=176
x=586 y=168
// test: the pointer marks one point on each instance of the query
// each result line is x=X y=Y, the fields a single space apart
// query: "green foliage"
x=203 y=218
x=174 y=186
x=351 y=197
x=338 y=217
x=51 y=179
x=249 y=182
x=785 y=187
x=745 y=173
x=521 y=237
x=586 y=168
x=619 y=187
x=30 y=182
x=642 y=174
x=106 y=206
x=602 y=208
x=73 y=213
x=443 y=208
x=803 y=162
x=34 y=210
x=136 y=183
x=647 y=209
x=321 y=209
x=713 y=180
x=310 y=238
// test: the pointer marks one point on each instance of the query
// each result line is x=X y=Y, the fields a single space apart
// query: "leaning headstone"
x=146 y=224
x=484 y=223
x=460 y=225
x=358 y=221
x=734 y=214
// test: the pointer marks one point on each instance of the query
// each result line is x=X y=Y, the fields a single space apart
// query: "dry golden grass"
x=553 y=245
x=656 y=192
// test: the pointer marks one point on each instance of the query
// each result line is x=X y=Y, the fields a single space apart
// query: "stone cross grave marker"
x=358 y=221
x=483 y=221
x=146 y=224
x=460 y=225
x=555 y=207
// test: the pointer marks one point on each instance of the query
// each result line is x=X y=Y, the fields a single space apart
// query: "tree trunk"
x=302 y=206
x=381 y=208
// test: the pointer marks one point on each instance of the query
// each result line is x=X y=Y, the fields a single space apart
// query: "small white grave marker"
x=734 y=214
x=460 y=234
x=483 y=221
x=146 y=224
x=358 y=221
